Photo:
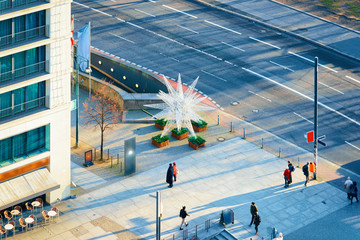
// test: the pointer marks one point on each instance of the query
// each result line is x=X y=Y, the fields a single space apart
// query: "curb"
x=259 y=21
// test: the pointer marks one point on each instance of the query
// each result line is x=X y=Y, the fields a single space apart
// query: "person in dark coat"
x=170 y=175
x=257 y=221
x=354 y=192
x=253 y=211
x=306 y=173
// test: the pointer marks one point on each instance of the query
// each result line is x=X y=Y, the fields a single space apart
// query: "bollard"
x=108 y=153
x=298 y=162
x=244 y=133
x=279 y=151
x=118 y=159
x=196 y=231
x=218 y=120
x=111 y=162
x=173 y=236
x=94 y=153
x=262 y=143
x=230 y=126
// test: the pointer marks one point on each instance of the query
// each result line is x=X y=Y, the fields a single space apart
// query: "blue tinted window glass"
x=19 y=59
x=19 y=100
x=5 y=104
x=5 y=68
x=5 y=32
x=19 y=147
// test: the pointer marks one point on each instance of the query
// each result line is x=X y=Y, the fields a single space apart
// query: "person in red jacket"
x=287 y=174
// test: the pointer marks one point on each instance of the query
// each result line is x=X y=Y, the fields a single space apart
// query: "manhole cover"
x=234 y=103
x=256 y=110
x=220 y=139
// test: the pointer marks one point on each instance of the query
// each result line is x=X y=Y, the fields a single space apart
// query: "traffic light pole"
x=316 y=117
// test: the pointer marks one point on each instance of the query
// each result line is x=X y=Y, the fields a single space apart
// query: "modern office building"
x=35 y=68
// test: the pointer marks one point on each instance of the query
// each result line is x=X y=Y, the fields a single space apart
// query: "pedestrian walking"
x=354 y=192
x=183 y=214
x=292 y=169
x=347 y=185
x=280 y=237
x=306 y=172
x=312 y=168
x=170 y=175
x=176 y=171
x=257 y=221
x=287 y=175
x=253 y=211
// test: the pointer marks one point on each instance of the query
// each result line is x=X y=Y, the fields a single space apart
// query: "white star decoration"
x=180 y=107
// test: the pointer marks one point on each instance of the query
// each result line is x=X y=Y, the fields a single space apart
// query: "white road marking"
x=122 y=38
x=233 y=46
x=135 y=25
x=302 y=95
x=176 y=60
x=331 y=88
x=145 y=13
x=269 y=44
x=353 y=79
x=309 y=60
x=282 y=66
x=214 y=76
x=93 y=9
x=187 y=29
x=259 y=96
x=303 y=117
x=217 y=25
x=121 y=20
x=352 y=145
x=179 y=11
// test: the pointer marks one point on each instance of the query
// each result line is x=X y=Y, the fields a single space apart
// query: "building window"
x=22 y=99
x=22 y=28
x=25 y=145
x=7 y=4
x=22 y=64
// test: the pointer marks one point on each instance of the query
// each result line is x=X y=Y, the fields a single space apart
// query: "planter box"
x=181 y=136
x=199 y=129
x=160 y=145
x=195 y=146
x=159 y=126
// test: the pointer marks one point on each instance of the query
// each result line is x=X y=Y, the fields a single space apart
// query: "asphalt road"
x=269 y=74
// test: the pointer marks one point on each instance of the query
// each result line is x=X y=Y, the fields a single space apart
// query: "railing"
x=27 y=70
x=24 y=35
x=8 y=4
x=23 y=107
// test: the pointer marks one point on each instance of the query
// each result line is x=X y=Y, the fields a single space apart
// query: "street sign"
x=310 y=136
x=73 y=104
x=320 y=140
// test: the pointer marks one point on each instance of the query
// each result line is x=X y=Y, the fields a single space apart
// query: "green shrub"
x=161 y=121
x=196 y=140
x=200 y=123
x=160 y=139
x=182 y=131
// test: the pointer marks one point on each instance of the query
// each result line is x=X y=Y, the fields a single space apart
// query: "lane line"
x=144 y=12
x=331 y=88
x=352 y=145
x=284 y=67
x=269 y=44
x=188 y=29
x=214 y=75
x=122 y=38
x=179 y=11
x=233 y=46
x=259 y=96
x=217 y=25
x=135 y=25
x=121 y=20
x=353 y=79
x=106 y=14
x=303 y=117
x=309 y=60
x=302 y=95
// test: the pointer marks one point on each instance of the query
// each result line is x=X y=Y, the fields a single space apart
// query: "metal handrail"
x=10 y=111
x=8 y=4
x=41 y=67
x=24 y=35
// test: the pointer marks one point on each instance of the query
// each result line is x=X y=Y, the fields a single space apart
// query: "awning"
x=25 y=187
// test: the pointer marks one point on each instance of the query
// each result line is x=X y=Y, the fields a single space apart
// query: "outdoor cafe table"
x=51 y=214
x=36 y=204
x=15 y=212
x=28 y=221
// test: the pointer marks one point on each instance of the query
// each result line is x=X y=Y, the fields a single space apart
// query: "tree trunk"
x=102 y=145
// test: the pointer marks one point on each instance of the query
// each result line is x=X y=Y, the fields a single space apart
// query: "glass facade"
x=24 y=145
x=7 y=4
x=22 y=63
x=22 y=99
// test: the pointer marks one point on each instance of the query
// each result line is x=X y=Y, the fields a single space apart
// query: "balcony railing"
x=24 y=107
x=25 y=71
x=8 y=4
x=24 y=35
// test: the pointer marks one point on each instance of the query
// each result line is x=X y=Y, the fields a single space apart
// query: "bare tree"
x=102 y=110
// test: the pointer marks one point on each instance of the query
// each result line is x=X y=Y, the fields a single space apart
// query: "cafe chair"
x=41 y=203
x=45 y=216
x=2 y=232
x=29 y=207
x=22 y=223
x=19 y=209
x=34 y=222
x=13 y=227
x=7 y=215
x=57 y=211
x=1 y=219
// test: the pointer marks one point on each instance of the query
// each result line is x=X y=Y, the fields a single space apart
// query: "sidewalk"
x=297 y=23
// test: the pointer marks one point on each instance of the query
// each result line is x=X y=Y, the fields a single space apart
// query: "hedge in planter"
x=199 y=126
x=180 y=135
x=160 y=141
x=160 y=123
x=196 y=142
